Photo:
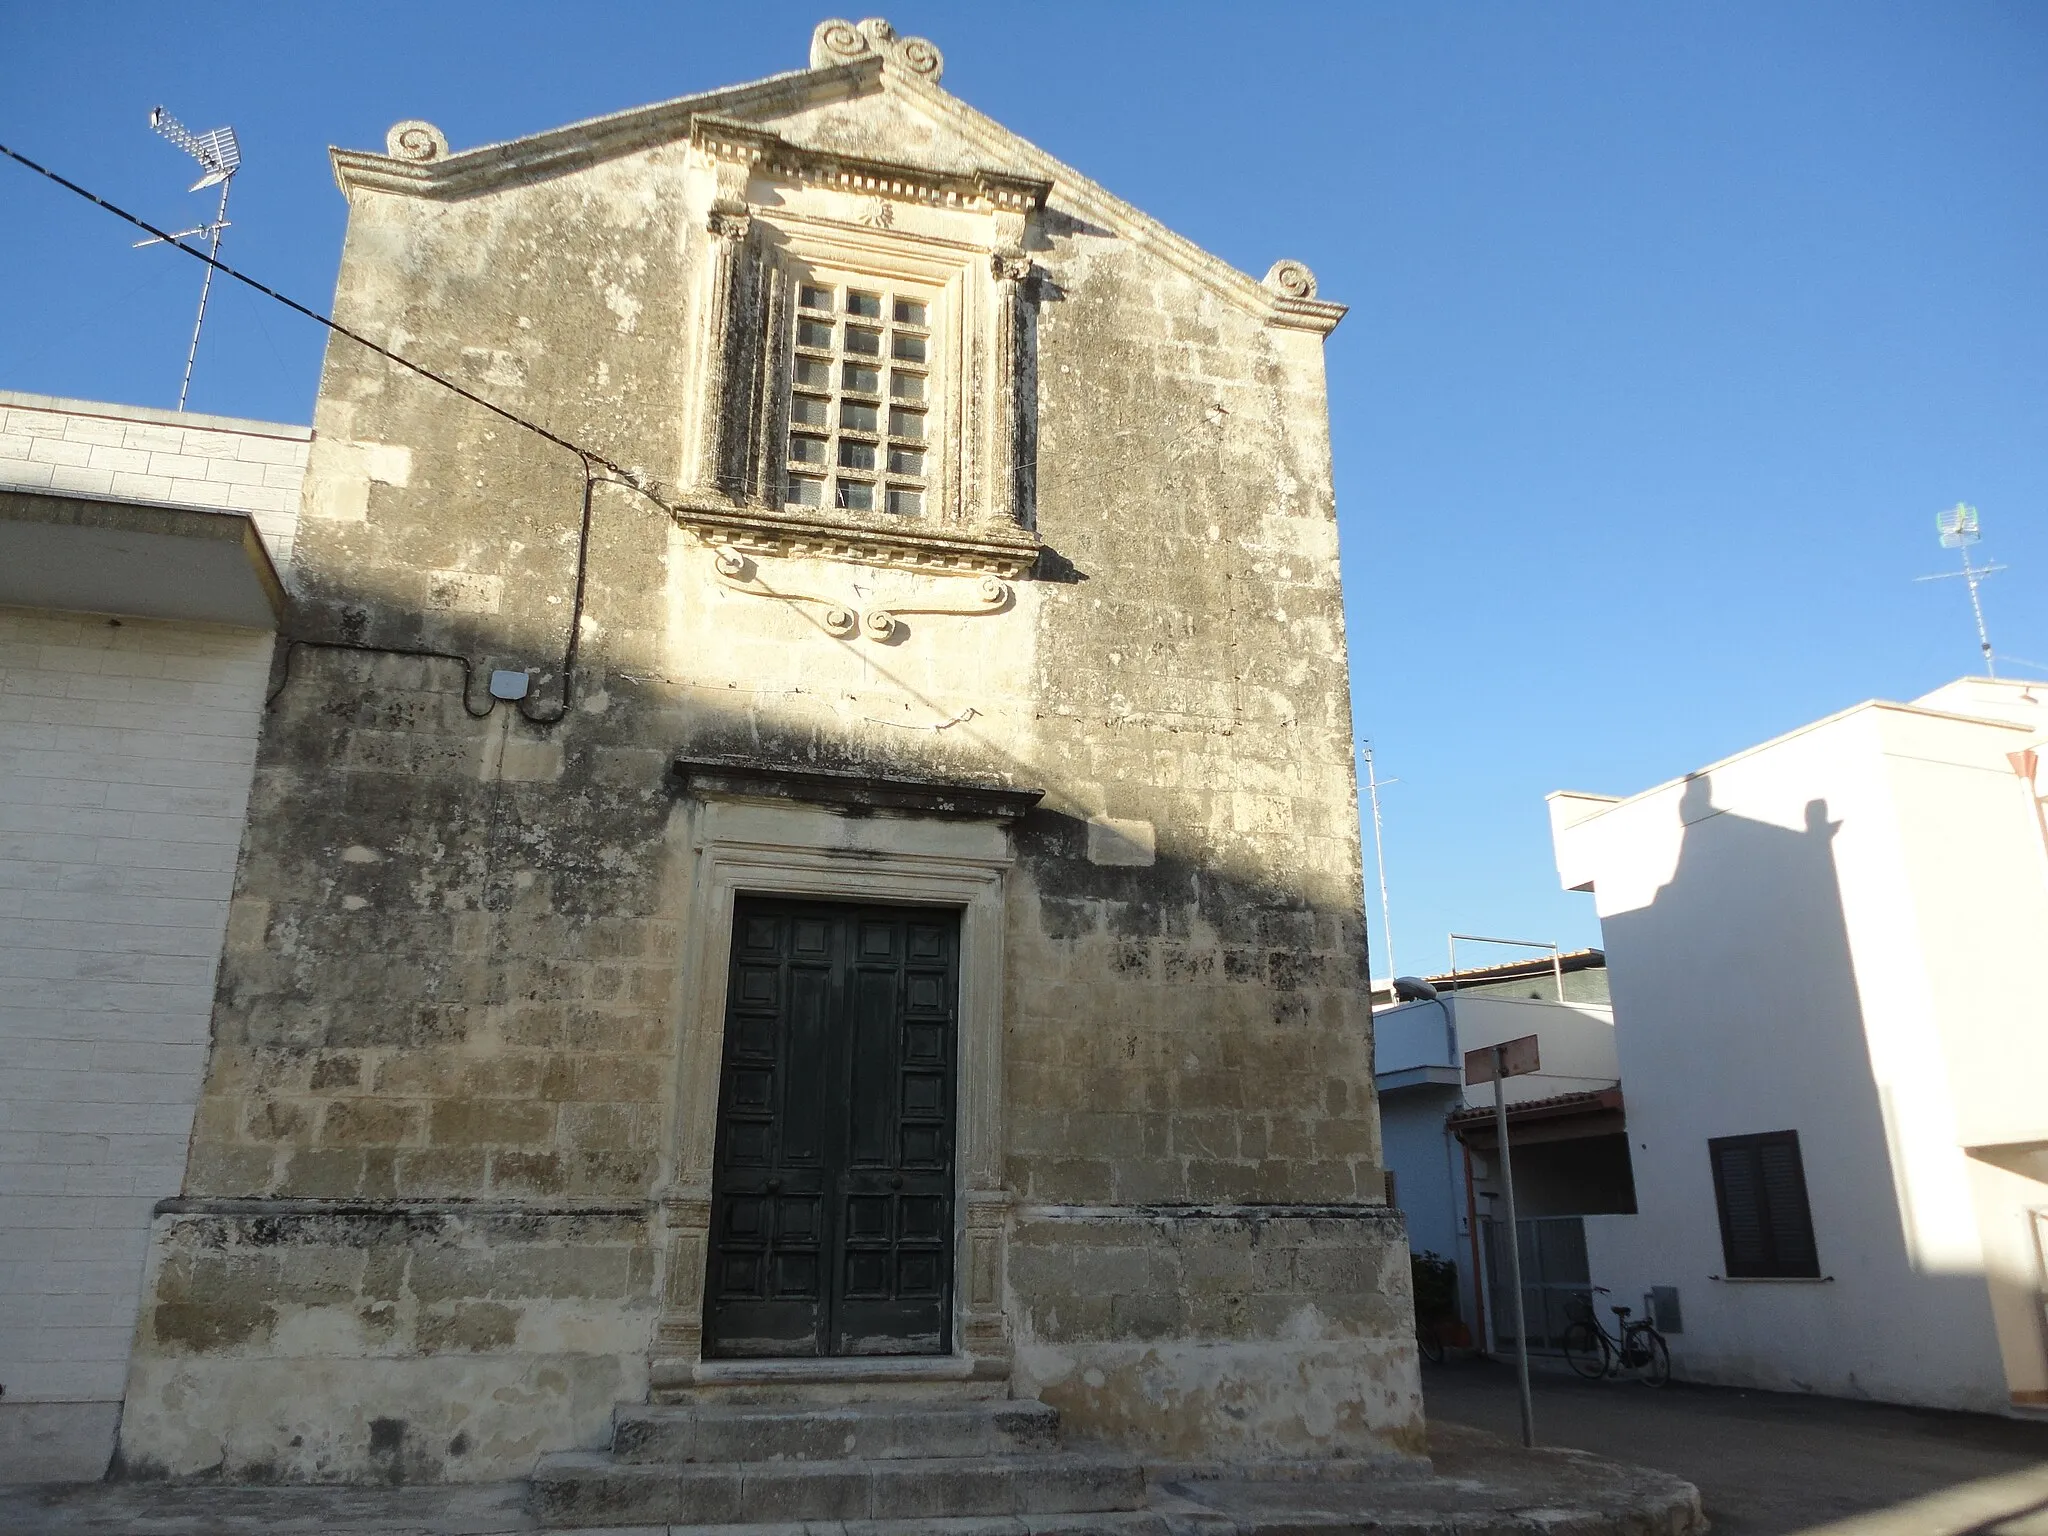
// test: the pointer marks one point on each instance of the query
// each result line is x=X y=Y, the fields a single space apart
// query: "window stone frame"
x=980 y=514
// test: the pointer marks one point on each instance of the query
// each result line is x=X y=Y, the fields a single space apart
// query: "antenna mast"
x=1958 y=530
x=221 y=155
x=1372 y=785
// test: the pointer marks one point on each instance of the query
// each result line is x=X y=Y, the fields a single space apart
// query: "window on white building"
x=1766 y=1225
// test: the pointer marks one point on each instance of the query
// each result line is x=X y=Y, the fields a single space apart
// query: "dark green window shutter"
x=1766 y=1224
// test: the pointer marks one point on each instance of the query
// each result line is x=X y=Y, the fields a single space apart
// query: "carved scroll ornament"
x=416 y=141
x=843 y=42
x=738 y=573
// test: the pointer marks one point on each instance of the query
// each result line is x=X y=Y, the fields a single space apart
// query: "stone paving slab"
x=1480 y=1486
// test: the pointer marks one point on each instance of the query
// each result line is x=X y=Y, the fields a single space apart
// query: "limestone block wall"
x=454 y=975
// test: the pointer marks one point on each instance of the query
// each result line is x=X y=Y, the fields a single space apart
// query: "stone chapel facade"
x=836 y=869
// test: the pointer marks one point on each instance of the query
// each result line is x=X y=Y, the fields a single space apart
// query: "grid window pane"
x=855 y=349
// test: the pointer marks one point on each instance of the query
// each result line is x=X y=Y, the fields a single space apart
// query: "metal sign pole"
x=1514 y=1243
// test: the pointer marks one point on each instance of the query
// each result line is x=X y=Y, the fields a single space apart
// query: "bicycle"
x=1429 y=1341
x=1595 y=1353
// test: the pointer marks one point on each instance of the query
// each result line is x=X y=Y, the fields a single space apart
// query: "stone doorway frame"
x=746 y=845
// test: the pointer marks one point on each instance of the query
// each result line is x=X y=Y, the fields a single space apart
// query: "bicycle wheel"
x=1585 y=1350
x=1429 y=1342
x=1653 y=1357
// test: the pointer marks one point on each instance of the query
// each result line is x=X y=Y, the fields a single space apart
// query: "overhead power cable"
x=333 y=325
x=590 y=458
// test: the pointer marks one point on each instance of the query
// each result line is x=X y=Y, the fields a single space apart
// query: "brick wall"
x=125 y=756
x=136 y=454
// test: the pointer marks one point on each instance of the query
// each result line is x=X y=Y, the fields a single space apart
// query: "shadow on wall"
x=1750 y=1019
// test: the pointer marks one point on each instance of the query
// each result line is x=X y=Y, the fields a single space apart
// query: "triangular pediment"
x=869 y=106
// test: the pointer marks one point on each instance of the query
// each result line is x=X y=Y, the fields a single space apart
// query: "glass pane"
x=859 y=417
x=911 y=350
x=863 y=342
x=807 y=450
x=856 y=455
x=866 y=381
x=908 y=503
x=869 y=307
x=811 y=373
x=814 y=333
x=806 y=492
x=910 y=461
x=910 y=312
x=820 y=298
x=856 y=495
x=812 y=413
x=907 y=424
x=910 y=386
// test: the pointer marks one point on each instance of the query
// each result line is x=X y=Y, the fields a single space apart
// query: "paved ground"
x=1770 y=1463
x=1480 y=1487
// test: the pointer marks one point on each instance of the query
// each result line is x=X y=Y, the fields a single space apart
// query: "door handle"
x=773 y=1186
x=895 y=1181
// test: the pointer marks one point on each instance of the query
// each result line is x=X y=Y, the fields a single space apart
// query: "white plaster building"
x=1565 y=1130
x=1825 y=956
x=139 y=588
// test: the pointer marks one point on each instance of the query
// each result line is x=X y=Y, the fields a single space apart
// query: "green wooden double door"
x=832 y=1202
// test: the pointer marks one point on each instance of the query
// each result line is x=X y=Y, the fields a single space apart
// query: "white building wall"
x=126 y=752
x=1773 y=968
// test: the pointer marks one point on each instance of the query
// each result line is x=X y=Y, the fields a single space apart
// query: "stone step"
x=885 y=1431
x=585 y=1488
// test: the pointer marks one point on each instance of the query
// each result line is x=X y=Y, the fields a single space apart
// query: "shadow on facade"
x=1759 y=1026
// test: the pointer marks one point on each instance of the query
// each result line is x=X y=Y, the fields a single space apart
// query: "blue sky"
x=1672 y=327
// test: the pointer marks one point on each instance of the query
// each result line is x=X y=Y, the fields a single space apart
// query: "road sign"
x=1517 y=1058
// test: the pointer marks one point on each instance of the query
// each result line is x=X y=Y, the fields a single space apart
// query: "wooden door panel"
x=832 y=1226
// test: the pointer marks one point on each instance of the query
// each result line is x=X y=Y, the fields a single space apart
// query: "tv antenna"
x=1958 y=530
x=221 y=155
x=1372 y=784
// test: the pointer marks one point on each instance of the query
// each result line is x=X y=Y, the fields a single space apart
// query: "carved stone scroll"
x=844 y=42
x=738 y=573
x=990 y=596
x=416 y=141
